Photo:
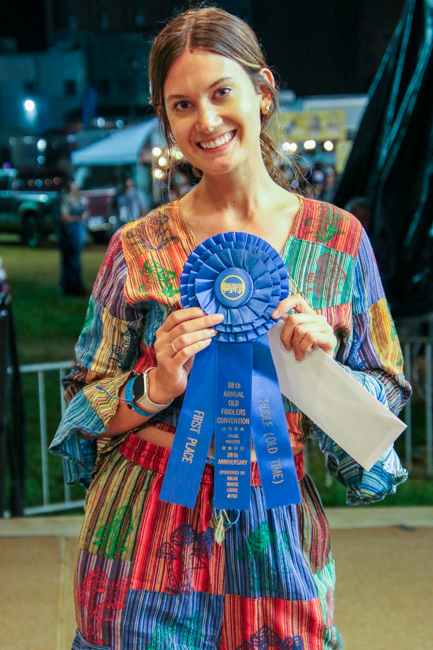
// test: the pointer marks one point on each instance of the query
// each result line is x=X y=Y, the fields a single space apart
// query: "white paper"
x=335 y=401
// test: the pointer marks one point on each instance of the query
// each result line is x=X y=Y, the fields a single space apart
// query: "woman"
x=152 y=574
x=71 y=235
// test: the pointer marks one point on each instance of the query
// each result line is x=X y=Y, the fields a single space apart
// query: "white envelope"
x=335 y=401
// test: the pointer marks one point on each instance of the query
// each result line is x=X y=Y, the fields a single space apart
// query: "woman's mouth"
x=217 y=144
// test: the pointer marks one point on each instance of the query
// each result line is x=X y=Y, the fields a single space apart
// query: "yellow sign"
x=238 y=288
x=319 y=125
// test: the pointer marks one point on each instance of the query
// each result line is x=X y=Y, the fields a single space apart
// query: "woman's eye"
x=182 y=105
x=222 y=92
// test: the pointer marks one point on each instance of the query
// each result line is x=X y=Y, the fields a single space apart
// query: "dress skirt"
x=151 y=576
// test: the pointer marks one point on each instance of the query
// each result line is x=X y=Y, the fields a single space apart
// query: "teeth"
x=218 y=142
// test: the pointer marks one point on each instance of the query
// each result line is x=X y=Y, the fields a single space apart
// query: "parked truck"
x=28 y=207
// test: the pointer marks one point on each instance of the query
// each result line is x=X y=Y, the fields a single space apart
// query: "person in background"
x=132 y=203
x=71 y=237
x=329 y=188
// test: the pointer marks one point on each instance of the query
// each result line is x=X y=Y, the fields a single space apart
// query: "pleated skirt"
x=151 y=576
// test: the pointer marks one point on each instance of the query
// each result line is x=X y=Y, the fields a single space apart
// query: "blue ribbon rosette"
x=233 y=389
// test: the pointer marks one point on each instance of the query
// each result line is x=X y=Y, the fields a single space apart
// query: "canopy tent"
x=391 y=163
x=121 y=148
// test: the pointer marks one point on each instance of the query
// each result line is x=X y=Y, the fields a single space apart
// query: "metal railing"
x=40 y=369
x=417 y=353
x=415 y=350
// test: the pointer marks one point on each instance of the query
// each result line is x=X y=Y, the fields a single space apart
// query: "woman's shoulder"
x=327 y=224
x=158 y=230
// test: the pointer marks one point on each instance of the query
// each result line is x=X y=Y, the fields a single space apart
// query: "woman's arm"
x=372 y=355
x=109 y=352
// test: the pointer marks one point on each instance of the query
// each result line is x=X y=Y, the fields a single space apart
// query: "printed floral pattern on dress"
x=152 y=231
x=175 y=634
x=102 y=598
x=155 y=277
x=187 y=552
x=326 y=224
x=266 y=638
x=126 y=353
x=259 y=540
x=327 y=280
x=111 y=537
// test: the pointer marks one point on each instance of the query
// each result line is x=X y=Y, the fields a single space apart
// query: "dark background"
x=316 y=46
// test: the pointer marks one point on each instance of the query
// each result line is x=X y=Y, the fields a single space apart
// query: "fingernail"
x=275 y=314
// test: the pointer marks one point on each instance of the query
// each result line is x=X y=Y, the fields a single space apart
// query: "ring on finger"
x=174 y=349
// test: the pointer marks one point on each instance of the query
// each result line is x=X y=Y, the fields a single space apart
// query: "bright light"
x=120 y=124
x=309 y=145
x=41 y=160
x=41 y=144
x=157 y=151
x=158 y=174
x=162 y=161
x=289 y=146
x=100 y=122
x=178 y=154
x=29 y=105
x=328 y=145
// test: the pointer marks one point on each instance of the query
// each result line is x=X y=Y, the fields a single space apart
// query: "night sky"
x=315 y=46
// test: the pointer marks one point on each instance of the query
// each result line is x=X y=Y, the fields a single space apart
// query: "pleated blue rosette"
x=262 y=285
x=233 y=389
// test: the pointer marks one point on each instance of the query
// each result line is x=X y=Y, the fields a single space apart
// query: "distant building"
x=38 y=91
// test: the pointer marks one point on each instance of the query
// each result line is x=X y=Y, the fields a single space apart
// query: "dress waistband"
x=154 y=457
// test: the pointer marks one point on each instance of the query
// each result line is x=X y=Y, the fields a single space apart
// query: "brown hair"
x=213 y=29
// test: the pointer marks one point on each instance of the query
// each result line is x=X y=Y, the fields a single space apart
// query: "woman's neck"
x=238 y=197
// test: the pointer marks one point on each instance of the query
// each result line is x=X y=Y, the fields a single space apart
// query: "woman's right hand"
x=184 y=333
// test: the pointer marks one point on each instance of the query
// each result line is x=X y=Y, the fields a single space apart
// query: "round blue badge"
x=233 y=287
x=240 y=276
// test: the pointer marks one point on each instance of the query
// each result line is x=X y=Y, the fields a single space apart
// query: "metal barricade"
x=40 y=369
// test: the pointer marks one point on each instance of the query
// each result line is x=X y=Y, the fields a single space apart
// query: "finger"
x=294 y=301
x=327 y=342
x=182 y=315
x=304 y=338
x=194 y=325
x=295 y=320
x=186 y=340
x=185 y=354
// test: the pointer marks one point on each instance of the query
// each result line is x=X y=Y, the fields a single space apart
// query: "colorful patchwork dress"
x=151 y=574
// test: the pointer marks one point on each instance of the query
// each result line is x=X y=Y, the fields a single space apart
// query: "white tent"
x=121 y=148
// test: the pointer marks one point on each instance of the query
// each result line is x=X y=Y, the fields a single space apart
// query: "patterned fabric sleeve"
x=107 y=349
x=373 y=357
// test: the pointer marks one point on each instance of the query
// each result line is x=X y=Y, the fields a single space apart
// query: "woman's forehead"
x=196 y=70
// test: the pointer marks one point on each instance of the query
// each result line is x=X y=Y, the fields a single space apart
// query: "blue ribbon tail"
x=270 y=434
x=193 y=433
x=233 y=426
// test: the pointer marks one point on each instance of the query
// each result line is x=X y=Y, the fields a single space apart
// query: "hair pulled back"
x=215 y=30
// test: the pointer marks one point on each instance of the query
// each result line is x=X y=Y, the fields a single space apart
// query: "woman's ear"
x=268 y=80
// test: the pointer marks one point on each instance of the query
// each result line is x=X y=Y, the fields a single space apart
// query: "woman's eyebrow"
x=215 y=83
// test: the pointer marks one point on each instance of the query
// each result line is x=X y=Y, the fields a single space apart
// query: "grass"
x=47 y=326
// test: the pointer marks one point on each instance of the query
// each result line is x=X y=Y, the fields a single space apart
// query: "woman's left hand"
x=304 y=330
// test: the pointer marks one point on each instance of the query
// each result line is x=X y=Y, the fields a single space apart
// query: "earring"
x=266 y=110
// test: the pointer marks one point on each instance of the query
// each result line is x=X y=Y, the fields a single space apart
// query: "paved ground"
x=384 y=598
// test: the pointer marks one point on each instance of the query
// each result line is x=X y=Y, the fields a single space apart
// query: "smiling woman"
x=155 y=574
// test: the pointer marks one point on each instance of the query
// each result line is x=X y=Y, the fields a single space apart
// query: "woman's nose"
x=207 y=119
